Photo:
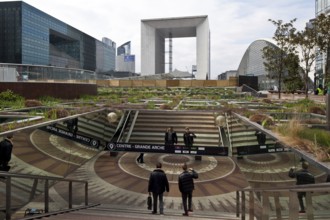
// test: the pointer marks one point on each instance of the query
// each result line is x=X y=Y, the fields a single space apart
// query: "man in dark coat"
x=188 y=138
x=6 y=147
x=170 y=137
x=261 y=137
x=158 y=183
x=186 y=187
x=303 y=177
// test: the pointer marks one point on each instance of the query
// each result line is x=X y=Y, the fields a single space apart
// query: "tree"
x=293 y=81
x=322 y=25
x=275 y=57
x=305 y=42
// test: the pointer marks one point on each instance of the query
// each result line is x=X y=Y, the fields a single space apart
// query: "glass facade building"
x=124 y=49
x=252 y=63
x=30 y=36
x=321 y=7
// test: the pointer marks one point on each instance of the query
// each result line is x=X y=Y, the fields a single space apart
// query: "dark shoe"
x=190 y=210
x=154 y=213
x=185 y=214
x=302 y=211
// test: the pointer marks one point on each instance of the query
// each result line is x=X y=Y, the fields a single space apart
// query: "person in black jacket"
x=188 y=138
x=170 y=137
x=6 y=147
x=186 y=187
x=158 y=183
x=303 y=177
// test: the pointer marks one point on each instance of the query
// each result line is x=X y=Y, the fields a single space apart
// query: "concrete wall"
x=203 y=50
x=121 y=65
x=148 y=49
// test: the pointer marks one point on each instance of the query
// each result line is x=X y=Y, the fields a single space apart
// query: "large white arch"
x=154 y=32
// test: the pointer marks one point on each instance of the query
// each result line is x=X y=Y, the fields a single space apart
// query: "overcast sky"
x=234 y=24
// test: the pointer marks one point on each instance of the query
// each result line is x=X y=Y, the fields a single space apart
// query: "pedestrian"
x=188 y=138
x=158 y=184
x=186 y=187
x=6 y=147
x=170 y=137
x=261 y=137
x=140 y=158
x=303 y=176
x=319 y=90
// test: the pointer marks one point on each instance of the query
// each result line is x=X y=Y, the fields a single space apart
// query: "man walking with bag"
x=158 y=183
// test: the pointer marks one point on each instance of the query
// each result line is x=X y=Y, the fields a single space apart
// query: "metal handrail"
x=38 y=216
x=265 y=193
x=323 y=166
x=8 y=182
x=132 y=126
x=230 y=149
x=124 y=126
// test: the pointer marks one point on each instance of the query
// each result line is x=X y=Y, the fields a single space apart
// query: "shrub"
x=10 y=96
x=32 y=103
x=165 y=106
x=264 y=120
x=268 y=101
x=57 y=113
x=316 y=110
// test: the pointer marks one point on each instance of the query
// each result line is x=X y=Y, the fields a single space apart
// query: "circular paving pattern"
x=175 y=159
x=217 y=175
x=172 y=164
x=265 y=158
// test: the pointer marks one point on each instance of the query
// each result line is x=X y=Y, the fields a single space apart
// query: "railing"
x=24 y=72
x=259 y=199
x=8 y=182
x=246 y=88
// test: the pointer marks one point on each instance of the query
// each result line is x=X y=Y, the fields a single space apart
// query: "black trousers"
x=301 y=195
x=140 y=158
x=186 y=197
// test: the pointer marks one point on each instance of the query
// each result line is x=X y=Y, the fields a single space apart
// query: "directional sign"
x=177 y=149
x=261 y=149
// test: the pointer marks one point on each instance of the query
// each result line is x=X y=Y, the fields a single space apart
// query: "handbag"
x=5 y=168
x=149 y=202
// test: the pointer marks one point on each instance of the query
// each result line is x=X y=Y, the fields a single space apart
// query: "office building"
x=252 y=63
x=125 y=61
x=321 y=7
x=30 y=36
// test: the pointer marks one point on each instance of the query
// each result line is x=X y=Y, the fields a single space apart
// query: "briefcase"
x=149 y=202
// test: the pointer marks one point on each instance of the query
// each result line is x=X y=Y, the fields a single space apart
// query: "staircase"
x=150 y=127
x=114 y=212
x=123 y=194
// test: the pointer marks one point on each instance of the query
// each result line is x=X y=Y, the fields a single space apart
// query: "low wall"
x=233 y=81
x=34 y=90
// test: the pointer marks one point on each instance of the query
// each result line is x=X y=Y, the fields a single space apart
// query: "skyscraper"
x=30 y=36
